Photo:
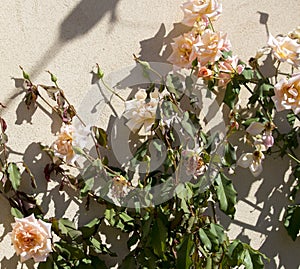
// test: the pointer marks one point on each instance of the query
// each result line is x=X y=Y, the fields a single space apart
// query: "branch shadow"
x=83 y=18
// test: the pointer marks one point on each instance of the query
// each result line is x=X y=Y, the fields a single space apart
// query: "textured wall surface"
x=69 y=37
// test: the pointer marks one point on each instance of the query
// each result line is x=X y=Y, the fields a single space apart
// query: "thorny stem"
x=260 y=102
x=214 y=212
x=111 y=90
x=294 y=158
x=149 y=67
x=277 y=72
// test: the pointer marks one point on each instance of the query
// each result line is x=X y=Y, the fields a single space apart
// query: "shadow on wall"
x=78 y=23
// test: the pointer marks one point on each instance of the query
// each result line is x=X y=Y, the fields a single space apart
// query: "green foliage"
x=14 y=175
x=291 y=222
x=226 y=194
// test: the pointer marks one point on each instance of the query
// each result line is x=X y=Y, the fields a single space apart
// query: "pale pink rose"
x=285 y=49
x=227 y=68
x=140 y=111
x=204 y=72
x=287 y=94
x=196 y=10
x=210 y=46
x=31 y=238
x=182 y=55
x=268 y=139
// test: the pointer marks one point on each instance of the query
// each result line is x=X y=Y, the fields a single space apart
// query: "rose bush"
x=161 y=194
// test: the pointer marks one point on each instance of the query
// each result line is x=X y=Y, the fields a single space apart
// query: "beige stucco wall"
x=69 y=37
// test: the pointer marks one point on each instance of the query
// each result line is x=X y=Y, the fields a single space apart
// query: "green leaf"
x=129 y=262
x=109 y=215
x=235 y=253
x=159 y=234
x=101 y=136
x=248 y=73
x=68 y=228
x=88 y=186
x=184 y=260
x=16 y=213
x=48 y=264
x=205 y=239
x=187 y=125
x=229 y=154
x=226 y=194
x=69 y=251
x=14 y=175
x=90 y=229
x=79 y=151
x=230 y=95
x=174 y=85
x=125 y=217
x=97 y=263
x=292 y=221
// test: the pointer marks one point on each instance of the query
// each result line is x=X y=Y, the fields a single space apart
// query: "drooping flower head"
x=31 y=238
x=253 y=160
x=285 y=49
x=256 y=128
x=197 y=10
x=287 y=94
x=140 y=111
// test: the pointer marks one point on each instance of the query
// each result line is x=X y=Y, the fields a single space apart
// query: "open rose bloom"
x=196 y=10
x=285 y=49
x=68 y=137
x=141 y=111
x=287 y=94
x=183 y=50
x=210 y=46
x=31 y=238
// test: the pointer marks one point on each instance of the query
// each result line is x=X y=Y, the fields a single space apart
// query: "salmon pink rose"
x=183 y=54
x=227 y=68
x=197 y=10
x=31 y=238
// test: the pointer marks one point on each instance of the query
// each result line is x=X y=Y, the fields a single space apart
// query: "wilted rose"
x=287 y=94
x=196 y=10
x=31 y=238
